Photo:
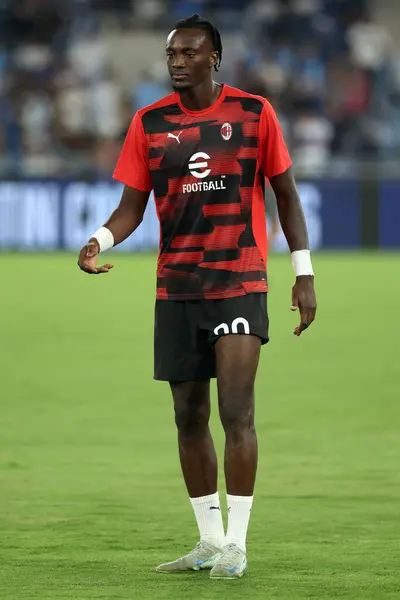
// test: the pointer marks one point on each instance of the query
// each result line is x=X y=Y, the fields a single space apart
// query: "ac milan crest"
x=226 y=131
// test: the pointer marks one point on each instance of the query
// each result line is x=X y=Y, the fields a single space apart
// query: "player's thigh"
x=236 y=358
x=241 y=329
x=181 y=349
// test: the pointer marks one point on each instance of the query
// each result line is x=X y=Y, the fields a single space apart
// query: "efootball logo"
x=226 y=131
x=198 y=165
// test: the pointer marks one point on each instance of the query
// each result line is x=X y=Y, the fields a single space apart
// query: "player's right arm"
x=133 y=170
x=121 y=224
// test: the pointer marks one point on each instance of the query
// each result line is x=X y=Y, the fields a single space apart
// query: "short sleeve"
x=133 y=164
x=275 y=157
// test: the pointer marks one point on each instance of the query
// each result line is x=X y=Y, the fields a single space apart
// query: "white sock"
x=207 y=510
x=239 y=508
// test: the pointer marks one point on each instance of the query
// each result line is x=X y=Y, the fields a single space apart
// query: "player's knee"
x=190 y=420
x=237 y=415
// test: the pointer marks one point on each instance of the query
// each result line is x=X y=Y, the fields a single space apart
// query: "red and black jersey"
x=207 y=170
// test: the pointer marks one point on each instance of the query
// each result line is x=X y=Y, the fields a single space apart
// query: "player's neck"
x=202 y=96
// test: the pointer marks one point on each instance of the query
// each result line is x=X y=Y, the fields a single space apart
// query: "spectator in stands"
x=348 y=99
x=312 y=135
x=148 y=89
x=370 y=45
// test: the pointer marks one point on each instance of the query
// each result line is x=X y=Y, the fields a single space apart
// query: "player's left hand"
x=303 y=298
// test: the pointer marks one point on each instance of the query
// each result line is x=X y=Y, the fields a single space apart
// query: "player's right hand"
x=88 y=256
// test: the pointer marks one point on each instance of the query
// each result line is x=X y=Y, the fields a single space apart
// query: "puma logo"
x=175 y=137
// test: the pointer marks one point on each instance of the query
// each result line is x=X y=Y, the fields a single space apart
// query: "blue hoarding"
x=50 y=215
x=389 y=215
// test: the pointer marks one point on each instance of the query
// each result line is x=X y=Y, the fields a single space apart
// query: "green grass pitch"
x=91 y=496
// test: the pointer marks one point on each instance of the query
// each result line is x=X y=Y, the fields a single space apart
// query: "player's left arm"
x=294 y=227
x=277 y=167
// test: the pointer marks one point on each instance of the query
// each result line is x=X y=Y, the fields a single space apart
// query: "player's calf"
x=237 y=360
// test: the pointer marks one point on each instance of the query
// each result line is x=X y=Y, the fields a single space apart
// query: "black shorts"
x=185 y=332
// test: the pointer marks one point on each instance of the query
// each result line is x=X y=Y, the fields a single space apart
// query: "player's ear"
x=213 y=59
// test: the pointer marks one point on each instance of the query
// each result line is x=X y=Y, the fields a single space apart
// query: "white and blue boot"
x=204 y=556
x=231 y=564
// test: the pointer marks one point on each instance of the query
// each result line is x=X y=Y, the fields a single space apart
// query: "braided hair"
x=198 y=22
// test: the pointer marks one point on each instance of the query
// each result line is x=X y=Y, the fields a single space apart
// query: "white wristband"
x=301 y=261
x=105 y=238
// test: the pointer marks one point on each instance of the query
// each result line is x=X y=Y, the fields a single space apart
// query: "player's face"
x=190 y=57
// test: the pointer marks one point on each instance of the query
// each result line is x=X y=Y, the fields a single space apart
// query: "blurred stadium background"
x=91 y=496
x=72 y=72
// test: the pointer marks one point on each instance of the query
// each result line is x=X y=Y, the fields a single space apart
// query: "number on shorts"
x=223 y=328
